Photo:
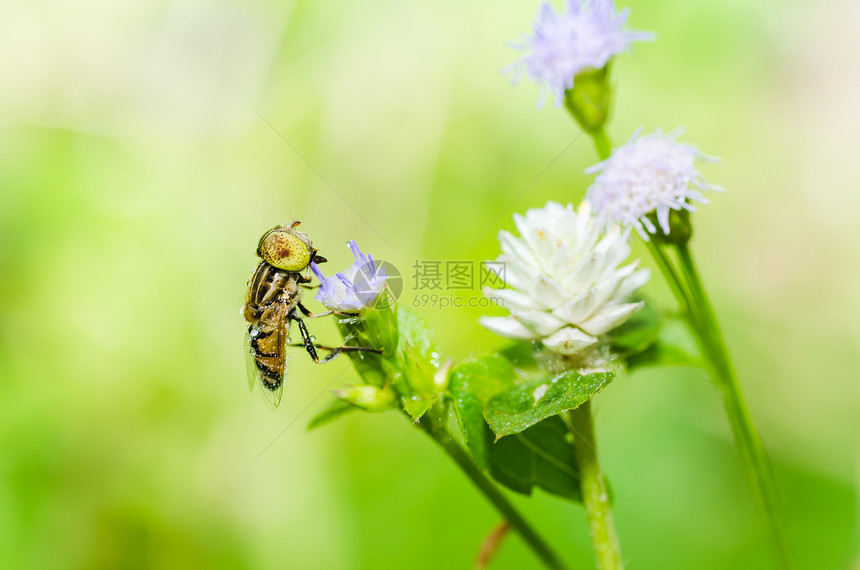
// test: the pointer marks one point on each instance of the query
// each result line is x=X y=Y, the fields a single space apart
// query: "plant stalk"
x=440 y=434
x=604 y=538
x=601 y=143
x=702 y=319
x=752 y=451
x=669 y=274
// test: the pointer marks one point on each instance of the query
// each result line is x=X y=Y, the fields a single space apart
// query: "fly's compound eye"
x=284 y=249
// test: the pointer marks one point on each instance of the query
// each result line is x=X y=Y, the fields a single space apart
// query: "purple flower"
x=563 y=45
x=356 y=287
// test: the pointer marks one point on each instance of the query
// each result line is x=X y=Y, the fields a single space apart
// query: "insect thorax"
x=272 y=294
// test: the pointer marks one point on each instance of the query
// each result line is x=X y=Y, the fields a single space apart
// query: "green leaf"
x=541 y=456
x=408 y=361
x=531 y=360
x=334 y=410
x=483 y=377
x=470 y=386
x=512 y=464
x=674 y=346
x=414 y=332
x=651 y=339
x=376 y=328
x=417 y=363
x=637 y=334
x=417 y=406
x=370 y=366
x=533 y=400
x=557 y=471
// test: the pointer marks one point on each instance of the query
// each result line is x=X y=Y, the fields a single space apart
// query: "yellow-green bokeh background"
x=136 y=176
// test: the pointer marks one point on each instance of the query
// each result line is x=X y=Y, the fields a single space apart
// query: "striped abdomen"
x=272 y=294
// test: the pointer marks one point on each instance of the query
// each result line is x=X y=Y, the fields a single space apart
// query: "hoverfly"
x=273 y=301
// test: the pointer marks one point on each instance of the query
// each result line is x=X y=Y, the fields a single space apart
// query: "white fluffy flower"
x=565 y=285
x=564 y=44
x=651 y=173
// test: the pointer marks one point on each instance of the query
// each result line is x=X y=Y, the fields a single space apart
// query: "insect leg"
x=306 y=312
x=340 y=349
x=335 y=350
x=306 y=337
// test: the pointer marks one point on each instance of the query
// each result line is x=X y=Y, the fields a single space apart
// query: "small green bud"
x=369 y=398
x=440 y=378
x=588 y=100
x=680 y=228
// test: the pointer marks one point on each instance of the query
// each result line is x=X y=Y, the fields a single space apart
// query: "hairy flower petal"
x=651 y=173
x=354 y=288
x=586 y=36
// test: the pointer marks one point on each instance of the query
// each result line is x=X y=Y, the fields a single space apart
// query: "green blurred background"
x=136 y=176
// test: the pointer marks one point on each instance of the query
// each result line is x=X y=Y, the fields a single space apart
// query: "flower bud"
x=566 y=47
x=440 y=378
x=680 y=228
x=368 y=398
x=588 y=99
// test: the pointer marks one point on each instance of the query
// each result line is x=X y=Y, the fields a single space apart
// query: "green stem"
x=440 y=434
x=669 y=274
x=601 y=143
x=700 y=314
x=753 y=454
x=607 y=550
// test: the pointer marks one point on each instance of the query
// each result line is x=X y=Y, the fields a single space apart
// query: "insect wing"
x=250 y=362
x=267 y=360
x=273 y=396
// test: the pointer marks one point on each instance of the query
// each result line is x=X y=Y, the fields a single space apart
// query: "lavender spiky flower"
x=355 y=288
x=566 y=288
x=587 y=36
x=651 y=173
